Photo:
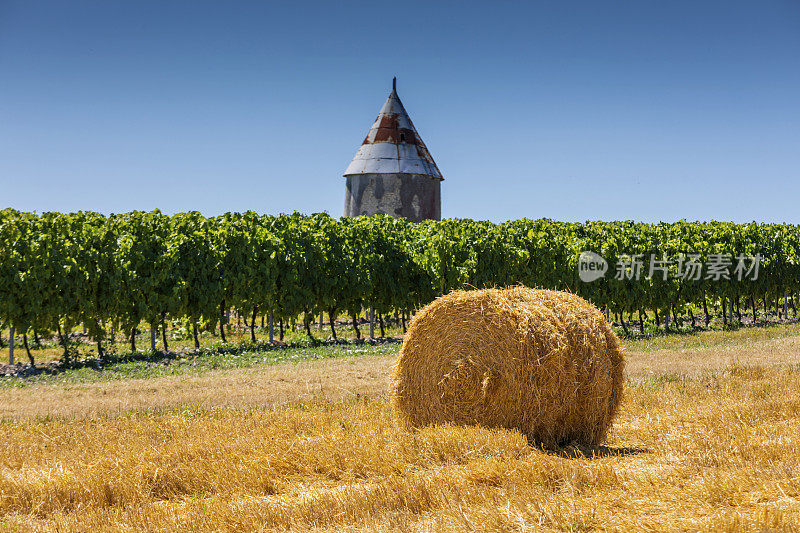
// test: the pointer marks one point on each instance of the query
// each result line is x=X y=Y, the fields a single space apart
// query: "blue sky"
x=605 y=110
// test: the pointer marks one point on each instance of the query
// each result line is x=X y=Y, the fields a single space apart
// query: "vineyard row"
x=58 y=270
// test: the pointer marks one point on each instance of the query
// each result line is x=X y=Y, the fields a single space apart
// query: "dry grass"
x=705 y=440
x=705 y=454
x=696 y=362
x=714 y=338
x=543 y=362
x=329 y=379
x=332 y=380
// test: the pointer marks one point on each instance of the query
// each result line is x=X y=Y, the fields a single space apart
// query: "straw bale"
x=544 y=362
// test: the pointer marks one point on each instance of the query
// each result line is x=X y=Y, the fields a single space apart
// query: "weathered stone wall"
x=412 y=196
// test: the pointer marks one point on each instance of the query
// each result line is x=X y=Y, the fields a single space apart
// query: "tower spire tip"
x=394 y=84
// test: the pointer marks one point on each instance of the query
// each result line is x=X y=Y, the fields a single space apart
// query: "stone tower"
x=393 y=173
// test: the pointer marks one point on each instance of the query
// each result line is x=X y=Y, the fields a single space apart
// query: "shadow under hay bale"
x=543 y=362
x=578 y=451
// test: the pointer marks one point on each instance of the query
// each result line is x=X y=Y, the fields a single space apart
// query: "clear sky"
x=615 y=109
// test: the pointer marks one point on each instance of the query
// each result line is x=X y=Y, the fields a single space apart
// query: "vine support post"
x=321 y=315
x=11 y=346
x=271 y=331
x=152 y=336
x=785 y=305
x=371 y=322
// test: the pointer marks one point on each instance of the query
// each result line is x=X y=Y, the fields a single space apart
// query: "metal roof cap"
x=392 y=145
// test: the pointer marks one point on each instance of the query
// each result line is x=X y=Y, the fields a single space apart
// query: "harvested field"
x=340 y=378
x=705 y=440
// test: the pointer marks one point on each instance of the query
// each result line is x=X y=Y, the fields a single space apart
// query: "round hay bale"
x=544 y=362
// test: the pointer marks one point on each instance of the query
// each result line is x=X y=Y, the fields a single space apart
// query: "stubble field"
x=708 y=438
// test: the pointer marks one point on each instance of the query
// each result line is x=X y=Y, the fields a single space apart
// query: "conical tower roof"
x=393 y=145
